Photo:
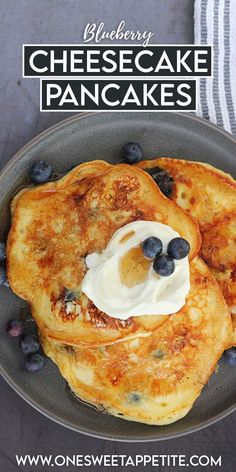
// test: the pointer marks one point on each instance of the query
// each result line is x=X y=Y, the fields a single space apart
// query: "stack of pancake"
x=148 y=368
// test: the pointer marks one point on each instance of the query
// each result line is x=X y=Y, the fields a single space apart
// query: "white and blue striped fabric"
x=215 y=24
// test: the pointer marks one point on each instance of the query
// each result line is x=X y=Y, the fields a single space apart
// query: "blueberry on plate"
x=164 y=265
x=35 y=362
x=29 y=344
x=132 y=153
x=2 y=251
x=40 y=172
x=152 y=247
x=3 y=276
x=230 y=356
x=14 y=328
x=178 y=248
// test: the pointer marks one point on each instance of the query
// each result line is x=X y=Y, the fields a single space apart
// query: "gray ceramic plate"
x=100 y=136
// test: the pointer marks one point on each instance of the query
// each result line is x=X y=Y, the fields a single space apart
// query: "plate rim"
x=83 y=115
x=25 y=396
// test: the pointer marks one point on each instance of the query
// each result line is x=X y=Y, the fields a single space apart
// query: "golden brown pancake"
x=208 y=195
x=54 y=226
x=156 y=379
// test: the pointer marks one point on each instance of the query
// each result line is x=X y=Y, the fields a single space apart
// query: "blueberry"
x=69 y=296
x=3 y=276
x=34 y=362
x=152 y=247
x=14 y=328
x=164 y=181
x=132 y=153
x=230 y=356
x=2 y=251
x=153 y=171
x=164 y=265
x=29 y=344
x=40 y=172
x=178 y=248
x=159 y=354
x=134 y=397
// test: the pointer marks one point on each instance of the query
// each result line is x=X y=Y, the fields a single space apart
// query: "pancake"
x=208 y=195
x=54 y=227
x=156 y=379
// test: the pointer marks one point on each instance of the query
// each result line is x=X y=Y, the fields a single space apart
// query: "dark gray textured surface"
x=23 y=430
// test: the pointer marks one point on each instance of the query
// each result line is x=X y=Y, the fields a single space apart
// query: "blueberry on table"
x=132 y=153
x=164 y=265
x=2 y=251
x=178 y=248
x=3 y=276
x=35 y=362
x=29 y=344
x=14 y=328
x=152 y=247
x=230 y=356
x=40 y=172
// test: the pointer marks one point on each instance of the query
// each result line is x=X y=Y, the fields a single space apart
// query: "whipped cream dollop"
x=122 y=283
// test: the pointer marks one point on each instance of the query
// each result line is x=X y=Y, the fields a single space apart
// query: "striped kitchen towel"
x=215 y=24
